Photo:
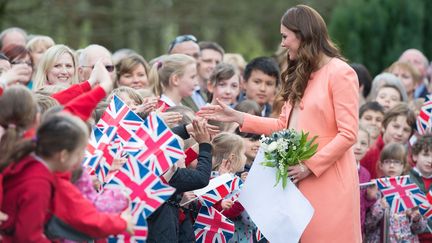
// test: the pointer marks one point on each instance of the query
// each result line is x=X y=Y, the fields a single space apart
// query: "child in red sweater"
x=29 y=181
x=421 y=174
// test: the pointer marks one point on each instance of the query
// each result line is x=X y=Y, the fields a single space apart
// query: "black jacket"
x=163 y=224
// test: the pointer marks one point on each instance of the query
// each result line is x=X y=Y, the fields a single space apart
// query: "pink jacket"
x=329 y=109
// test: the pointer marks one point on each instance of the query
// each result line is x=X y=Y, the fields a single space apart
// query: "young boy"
x=421 y=173
x=398 y=125
x=370 y=117
x=261 y=77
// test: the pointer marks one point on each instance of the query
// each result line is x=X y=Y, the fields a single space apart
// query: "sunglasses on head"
x=180 y=39
x=109 y=68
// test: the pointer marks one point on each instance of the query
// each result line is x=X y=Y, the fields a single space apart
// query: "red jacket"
x=371 y=158
x=78 y=213
x=70 y=93
x=28 y=188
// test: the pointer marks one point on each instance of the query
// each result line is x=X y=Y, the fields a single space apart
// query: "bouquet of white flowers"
x=286 y=148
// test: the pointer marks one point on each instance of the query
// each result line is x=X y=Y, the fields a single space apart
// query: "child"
x=177 y=79
x=398 y=127
x=421 y=174
x=261 y=77
x=371 y=117
x=400 y=227
x=252 y=144
x=29 y=177
x=224 y=84
x=228 y=153
x=360 y=148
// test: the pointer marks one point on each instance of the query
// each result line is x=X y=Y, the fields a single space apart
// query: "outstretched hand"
x=221 y=112
x=126 y=216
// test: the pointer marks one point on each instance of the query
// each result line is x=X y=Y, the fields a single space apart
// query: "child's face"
x=226 y=90
x=397 y=131
x=251 y=148
x=388 y=97
x=72 y=159
x=187 y=83
x=239 y=163
x=260 y=87
x=424 y=162
x=372 y=121
x=362 y=145
x=391 y=167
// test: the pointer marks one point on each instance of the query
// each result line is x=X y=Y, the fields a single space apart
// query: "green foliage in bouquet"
x=286 y=148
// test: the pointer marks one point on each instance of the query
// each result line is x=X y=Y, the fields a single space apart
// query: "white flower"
x=272 y=146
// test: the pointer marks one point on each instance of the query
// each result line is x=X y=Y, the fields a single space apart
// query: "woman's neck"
x=173 y=95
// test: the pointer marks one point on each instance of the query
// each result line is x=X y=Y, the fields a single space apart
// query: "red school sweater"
x=28 y=188
x=371 y=158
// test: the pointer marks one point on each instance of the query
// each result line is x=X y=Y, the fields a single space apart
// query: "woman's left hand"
x=298 y=172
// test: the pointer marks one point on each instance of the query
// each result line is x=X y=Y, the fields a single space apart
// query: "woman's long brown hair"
x=311 y=30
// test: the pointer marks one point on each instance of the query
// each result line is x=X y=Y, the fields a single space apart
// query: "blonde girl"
x=228 y=153
x=177 y=79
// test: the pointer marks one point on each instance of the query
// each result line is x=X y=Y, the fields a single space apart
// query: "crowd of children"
x=51 y=96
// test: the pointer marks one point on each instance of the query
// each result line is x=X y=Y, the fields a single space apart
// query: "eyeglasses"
x=29 y=63
x=392 y=161
x=109 y=68
x=180 y=39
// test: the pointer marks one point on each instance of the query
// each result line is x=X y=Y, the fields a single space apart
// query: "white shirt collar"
x=167 y=100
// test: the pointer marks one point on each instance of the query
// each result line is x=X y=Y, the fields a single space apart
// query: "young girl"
x=228 y=153
x=224 y=84
x=177 y=79
x=421 y=174
x=400 y=227
x=29 y=179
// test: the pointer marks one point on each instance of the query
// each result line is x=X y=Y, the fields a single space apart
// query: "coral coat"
x=329 y=109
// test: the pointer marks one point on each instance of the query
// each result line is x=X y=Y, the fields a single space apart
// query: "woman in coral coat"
x=321 y=94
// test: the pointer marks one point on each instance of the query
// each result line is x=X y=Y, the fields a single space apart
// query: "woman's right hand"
x=221 y=112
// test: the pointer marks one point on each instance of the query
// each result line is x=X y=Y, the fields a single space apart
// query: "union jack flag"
x=140 y=229
x=151 y=141
x=230 y=189
x=161 y=148
x=426 y=207
x=100 y=152
x=235 y=187
x=400 y=193
x=211 y=226
x=141 y=185
x=424 y=121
